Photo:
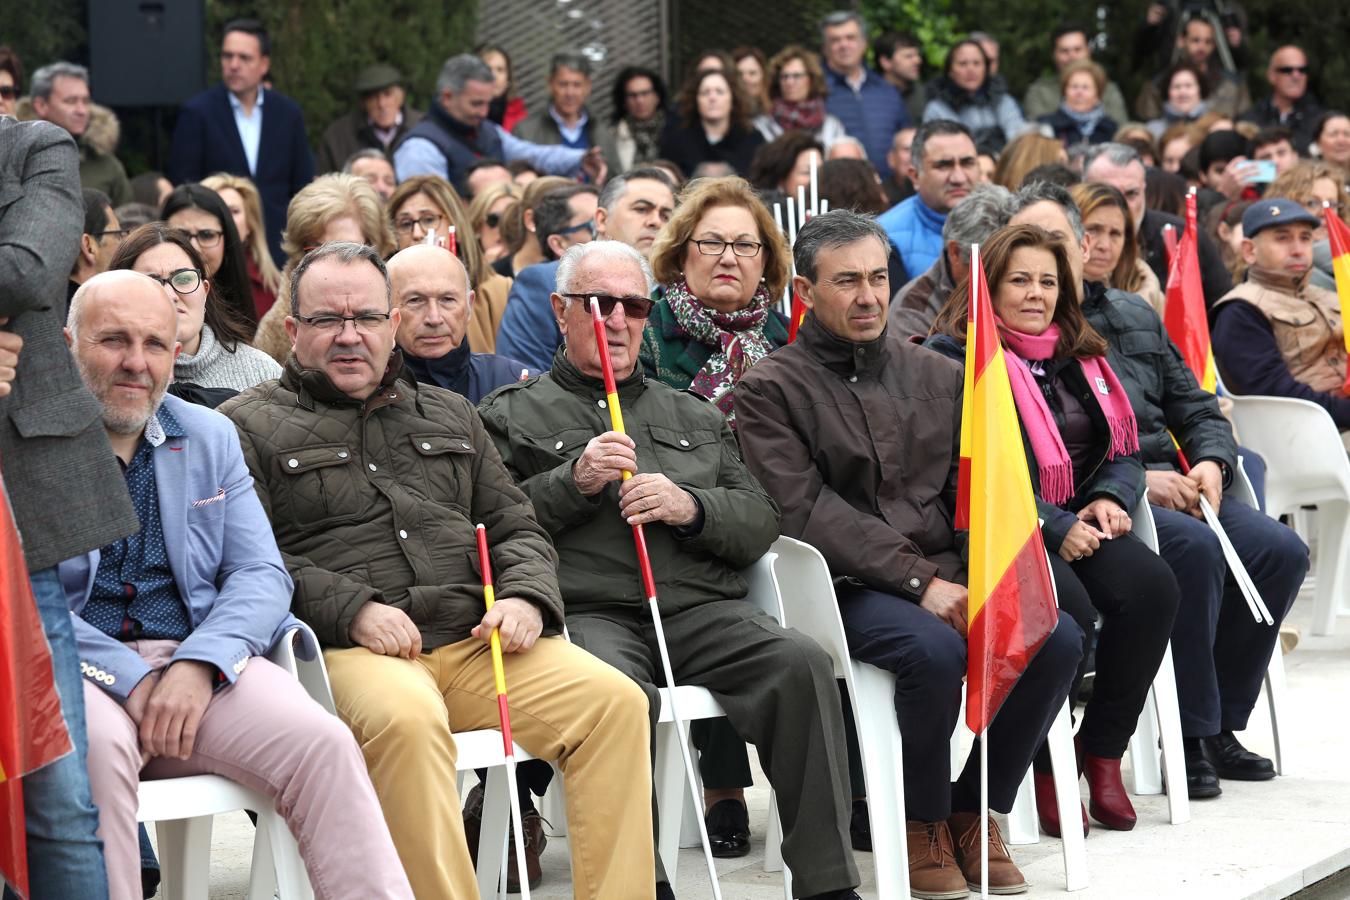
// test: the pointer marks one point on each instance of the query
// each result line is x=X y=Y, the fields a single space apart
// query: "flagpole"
x=649 y=588
x=984 y=815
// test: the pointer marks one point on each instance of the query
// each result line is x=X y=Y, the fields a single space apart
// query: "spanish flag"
x=1339 y=234
x=1012 y=601
x=1184 y=315
x=32 y=732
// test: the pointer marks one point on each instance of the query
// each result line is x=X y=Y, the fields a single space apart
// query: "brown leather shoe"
x=1004 y=876
x=535 y=841
x=933 y=873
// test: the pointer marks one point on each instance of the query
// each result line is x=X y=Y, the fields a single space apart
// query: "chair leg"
x=493 y=835
x=668 y=779
x=185 y=857
x=262 y=881
x=1164 y=695
x=689 y=836
x=1333 y=544
x=1275 y=699
x=292 y=880
x=773 y=846
x=1023 y=827
x=1064 y=766
x=1144 y=763
x=873 y=699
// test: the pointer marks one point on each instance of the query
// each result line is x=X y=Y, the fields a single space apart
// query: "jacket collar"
x=839 y=355
x=450 y=369
x=313 y=387
x=930 y=216
x=572 y=380
x=437 y=114
x=1279 y=282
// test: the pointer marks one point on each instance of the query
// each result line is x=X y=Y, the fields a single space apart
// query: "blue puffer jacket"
x=872 y=114
x=916 y=231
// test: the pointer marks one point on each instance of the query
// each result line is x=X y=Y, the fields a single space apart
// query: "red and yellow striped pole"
x=649 y=588
x=504 y=713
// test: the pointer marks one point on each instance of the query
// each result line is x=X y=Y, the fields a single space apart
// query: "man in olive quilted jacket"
x=374 y=484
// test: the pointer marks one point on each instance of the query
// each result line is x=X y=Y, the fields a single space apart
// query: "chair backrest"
x=809 y=605
x=764 y=588
x=1305 y=459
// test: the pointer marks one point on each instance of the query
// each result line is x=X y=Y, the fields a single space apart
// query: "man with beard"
x=170 y=617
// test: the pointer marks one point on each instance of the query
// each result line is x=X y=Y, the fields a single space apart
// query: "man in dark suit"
x=240 y=128
x=64 y=485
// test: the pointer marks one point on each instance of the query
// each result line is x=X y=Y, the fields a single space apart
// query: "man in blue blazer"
x=172 y=622
x=240 y=128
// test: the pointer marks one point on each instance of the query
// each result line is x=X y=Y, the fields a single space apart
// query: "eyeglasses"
x=493 y=220
x=791 y=76
x=120 y=232
x=183 y=281
x=207 y=237
x=428 y=223
x=1292 y=70
x=365 y=323
x=587 y=226
x=633 y=307
x=717 y=248
x=639 y=95
x=8 y=91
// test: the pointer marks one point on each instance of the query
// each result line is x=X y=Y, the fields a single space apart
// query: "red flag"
x=1184 y=315
x=1011 y=600
x=1339 y=235
x=798 y=316
x=32 y=732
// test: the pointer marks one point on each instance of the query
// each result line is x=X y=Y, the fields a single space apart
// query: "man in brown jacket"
x=856 y=433
x=374 y=484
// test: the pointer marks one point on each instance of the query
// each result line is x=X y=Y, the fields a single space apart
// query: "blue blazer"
x=222 y=553
x=528 y=331
x=206 y=141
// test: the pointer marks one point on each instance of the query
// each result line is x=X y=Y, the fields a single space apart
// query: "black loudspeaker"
x=146 y=52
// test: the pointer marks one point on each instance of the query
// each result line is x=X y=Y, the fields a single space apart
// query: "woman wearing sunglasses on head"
x=486 y=213
x=206 y=218
x=215 y=351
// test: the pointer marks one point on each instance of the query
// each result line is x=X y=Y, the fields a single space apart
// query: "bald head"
x=432 y=288
x=123 y=333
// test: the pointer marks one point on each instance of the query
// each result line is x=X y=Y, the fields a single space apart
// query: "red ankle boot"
x=1109 y=803
x=1047 y=809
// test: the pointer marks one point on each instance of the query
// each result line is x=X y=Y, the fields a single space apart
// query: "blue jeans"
x=65 y=856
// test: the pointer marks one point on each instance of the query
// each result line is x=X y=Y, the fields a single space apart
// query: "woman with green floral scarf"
x=722 y=264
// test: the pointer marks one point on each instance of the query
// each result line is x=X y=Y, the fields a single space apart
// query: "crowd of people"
x=280 y=385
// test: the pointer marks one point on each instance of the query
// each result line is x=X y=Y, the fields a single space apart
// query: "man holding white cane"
x=705 y=519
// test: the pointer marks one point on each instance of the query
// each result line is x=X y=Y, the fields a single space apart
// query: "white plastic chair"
x=183 y=810
x=673 y=803
x=1306 y=465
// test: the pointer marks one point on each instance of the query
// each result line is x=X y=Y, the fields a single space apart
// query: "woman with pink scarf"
x=1082 y=451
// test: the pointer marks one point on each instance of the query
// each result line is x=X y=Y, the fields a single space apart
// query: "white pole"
x=824 y=206
x=801 y=205
x=984 y=815
x=815 y=186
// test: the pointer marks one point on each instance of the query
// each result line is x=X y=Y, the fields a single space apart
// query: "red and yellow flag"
x=1184 y=315
x=1012 y=601
x=32 y=732
x=1339 y=233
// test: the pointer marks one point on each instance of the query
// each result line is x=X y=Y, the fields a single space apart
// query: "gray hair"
x=615 y=251
x=1115 y=154
x=345 y=252
x=933 y=129
x=836 y=228
x=979 y=214
x=45 y=77
x=367 y=153
x=459 y=71
x=617 y=185
x=570 y=59
x=843 y=17
x=1049 y=192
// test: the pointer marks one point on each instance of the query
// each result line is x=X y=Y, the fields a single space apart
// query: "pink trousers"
x=263 y=732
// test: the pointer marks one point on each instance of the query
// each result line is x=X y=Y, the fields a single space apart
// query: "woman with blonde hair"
x=486 y=215
x=241 y=196
x=1024 y=153
x=333 y=207
x=518 y=237
x=424 y=208
x=796 y=98
x=1113 y=256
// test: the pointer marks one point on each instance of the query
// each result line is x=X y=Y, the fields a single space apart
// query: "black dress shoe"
x=860 y=827
x=728 y=829
x=845 y=894
x=1202 y=782
x=1234 y=761
x=663 y=891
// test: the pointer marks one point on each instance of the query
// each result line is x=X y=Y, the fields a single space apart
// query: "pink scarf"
x=1056 y=470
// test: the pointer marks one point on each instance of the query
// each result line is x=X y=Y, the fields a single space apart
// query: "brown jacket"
x=377 y=501
x=917 y=303
x=859 y=444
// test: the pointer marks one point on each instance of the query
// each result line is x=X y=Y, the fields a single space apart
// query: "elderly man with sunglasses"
x=374 y=484
x=706 y=519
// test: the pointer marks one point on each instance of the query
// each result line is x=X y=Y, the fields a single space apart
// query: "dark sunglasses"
x=633 y=307
x=1291 y=70
x=493 y=220
x=8 y=91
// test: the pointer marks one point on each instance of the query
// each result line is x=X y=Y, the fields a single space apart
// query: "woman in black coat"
x=713 y=125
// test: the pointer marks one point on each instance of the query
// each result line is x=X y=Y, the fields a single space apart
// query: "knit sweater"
x=214 y=366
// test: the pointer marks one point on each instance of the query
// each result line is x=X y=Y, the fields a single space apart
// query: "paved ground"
x=1258 y=841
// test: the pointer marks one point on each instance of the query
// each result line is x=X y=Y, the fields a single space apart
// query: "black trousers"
x=1134 y=592
x=928 y=658
x=777 y=688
